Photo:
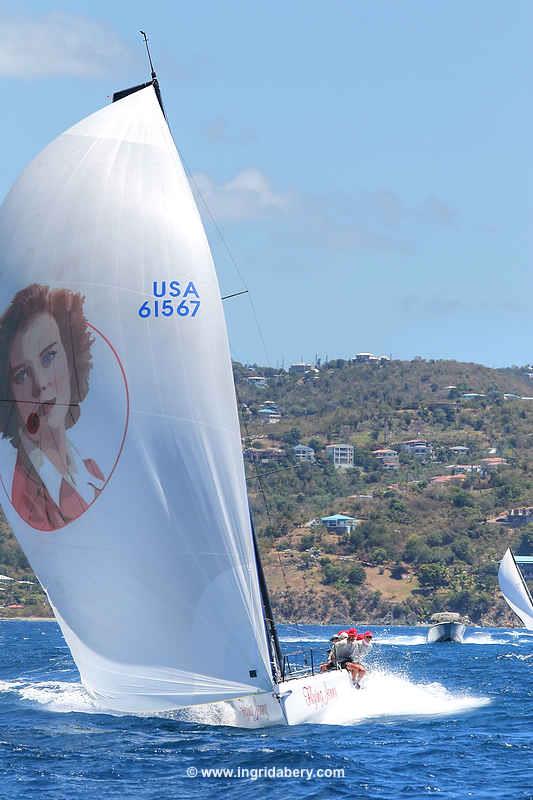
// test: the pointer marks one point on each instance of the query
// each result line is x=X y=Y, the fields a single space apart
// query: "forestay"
x=121 y=453
x=515 y=590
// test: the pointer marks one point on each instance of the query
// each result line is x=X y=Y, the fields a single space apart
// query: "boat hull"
x=311 y=699
x=446 y=632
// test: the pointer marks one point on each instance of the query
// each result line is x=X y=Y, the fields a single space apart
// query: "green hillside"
x=420 y=545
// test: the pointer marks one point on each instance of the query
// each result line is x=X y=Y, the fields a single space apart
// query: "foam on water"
x=484 y=638
x=308 y=638
x=403 y=640
x=386 y=694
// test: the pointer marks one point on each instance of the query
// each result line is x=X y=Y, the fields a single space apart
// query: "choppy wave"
x=59 y=696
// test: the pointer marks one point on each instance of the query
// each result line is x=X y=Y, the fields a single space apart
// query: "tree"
x=416 y=551
x=292 y=437
x=356 y=575
x=378 y=555
x=433 y=575
x=331 y=572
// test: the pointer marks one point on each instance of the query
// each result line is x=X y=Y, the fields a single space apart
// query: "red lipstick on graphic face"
x=32 y=423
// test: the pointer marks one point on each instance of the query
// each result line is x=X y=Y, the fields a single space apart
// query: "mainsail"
x=515 y=590
x=121 y=453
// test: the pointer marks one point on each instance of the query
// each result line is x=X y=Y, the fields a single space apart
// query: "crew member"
x=331 y=662
x=347 y=653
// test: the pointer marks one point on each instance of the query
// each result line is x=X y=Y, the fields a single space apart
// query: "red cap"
x=367 y=633
x=360 y=637
x=339 y=633
x=352 y=633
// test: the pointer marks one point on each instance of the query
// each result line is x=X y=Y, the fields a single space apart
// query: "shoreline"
x=28 y=619
x=379 y=624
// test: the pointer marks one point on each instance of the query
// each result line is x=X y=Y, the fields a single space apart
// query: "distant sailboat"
x=121 y=453
x=515 y=589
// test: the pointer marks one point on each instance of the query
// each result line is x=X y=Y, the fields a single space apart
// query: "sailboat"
x=120 y=452
x=515 y=590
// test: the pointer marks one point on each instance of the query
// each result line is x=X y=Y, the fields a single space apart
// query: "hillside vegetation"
x=420 y=546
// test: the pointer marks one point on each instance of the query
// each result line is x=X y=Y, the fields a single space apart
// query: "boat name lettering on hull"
x=171 y=299
x=255 y=712
x=319 y=697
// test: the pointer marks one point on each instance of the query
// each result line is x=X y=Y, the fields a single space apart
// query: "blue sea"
x=445 y=720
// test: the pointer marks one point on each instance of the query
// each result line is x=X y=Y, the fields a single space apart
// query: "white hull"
x=302 y=700
x=446 y=632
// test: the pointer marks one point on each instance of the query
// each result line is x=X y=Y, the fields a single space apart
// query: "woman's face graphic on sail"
x=40 y=377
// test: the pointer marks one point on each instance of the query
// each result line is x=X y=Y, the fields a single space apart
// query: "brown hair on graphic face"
x=66 y=307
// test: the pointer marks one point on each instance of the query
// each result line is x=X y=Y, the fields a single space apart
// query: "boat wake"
x=403 y=640
x=308 y=638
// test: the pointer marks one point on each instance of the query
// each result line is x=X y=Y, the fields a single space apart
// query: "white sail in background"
x=515 y=590
x=121 y=454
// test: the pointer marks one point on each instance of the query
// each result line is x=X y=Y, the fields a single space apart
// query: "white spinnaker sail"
x=514 y=589
x=152 y=577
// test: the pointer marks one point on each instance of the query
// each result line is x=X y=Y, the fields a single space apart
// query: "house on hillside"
x=257 y=380
x=439 y=479
x=516 y=517
x=340 y=523
x=493 y=463
x=263 y=455
x=465 y=469
x=269 y=413
x=340 y=454
x=302 y=453
x=370 y=358
x=299 y=369
x=388 y=459
x=416 y=447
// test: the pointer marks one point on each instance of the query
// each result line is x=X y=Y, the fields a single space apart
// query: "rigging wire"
x=231 y=257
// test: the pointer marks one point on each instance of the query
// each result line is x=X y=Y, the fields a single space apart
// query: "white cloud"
x=57 y=44
x=246 y=196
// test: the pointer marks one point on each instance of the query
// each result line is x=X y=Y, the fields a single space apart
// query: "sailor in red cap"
x=347 y=652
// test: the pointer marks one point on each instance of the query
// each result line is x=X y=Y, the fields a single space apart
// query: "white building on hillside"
x=340 y=454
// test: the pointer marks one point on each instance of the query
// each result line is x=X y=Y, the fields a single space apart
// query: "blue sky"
x=369 y=163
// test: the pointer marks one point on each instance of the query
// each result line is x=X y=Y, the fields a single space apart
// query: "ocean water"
x=445 y=720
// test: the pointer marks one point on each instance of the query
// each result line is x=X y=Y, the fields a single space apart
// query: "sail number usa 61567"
x=171 y=299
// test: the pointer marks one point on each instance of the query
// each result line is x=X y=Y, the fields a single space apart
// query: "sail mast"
x=274 y=647
x=120 y=95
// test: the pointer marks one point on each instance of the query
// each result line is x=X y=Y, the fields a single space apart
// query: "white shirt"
x=345 y=650
x=77 y=474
